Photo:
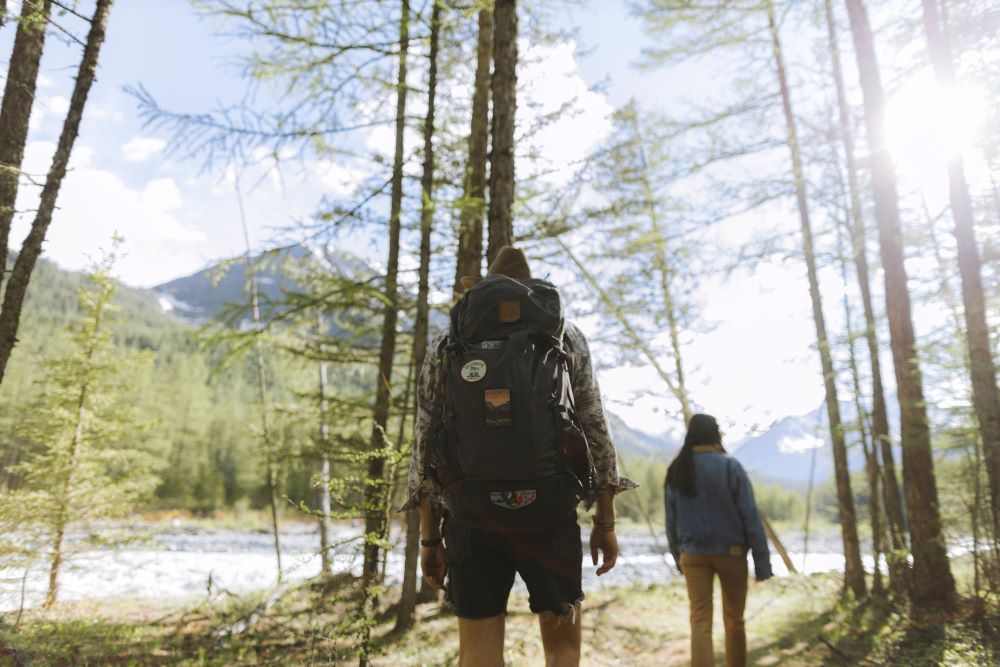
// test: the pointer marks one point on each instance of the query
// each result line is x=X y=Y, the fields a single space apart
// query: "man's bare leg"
x=480 y=641
x=561 y=638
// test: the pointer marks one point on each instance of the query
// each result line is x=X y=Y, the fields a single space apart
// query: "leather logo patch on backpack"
x=513 y=500
x=510 y=311
x=474 y=371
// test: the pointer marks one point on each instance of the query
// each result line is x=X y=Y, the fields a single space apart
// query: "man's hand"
x=434 y=564
x=607 y=544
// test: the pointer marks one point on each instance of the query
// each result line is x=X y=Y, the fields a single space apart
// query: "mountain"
x=784 y=453
x=209 y=292
x=632 y=441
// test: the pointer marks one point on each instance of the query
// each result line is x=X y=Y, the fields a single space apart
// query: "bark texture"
x=891 y=495
x=405 y=612
x=504 y=89
x=933 y=584
x=375 y=521
x=470 y=235
x=31 y=248
x=854 y=574
x=15 y=112
x=981 y=365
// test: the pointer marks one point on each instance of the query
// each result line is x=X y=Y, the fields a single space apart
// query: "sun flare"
x=926 y=123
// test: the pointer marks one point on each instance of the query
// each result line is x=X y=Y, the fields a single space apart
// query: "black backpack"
x=511 y=455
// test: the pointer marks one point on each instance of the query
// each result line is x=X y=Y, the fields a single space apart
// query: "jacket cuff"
x=762 y=568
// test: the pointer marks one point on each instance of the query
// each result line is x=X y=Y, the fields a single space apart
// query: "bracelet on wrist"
x=433 y=542
x=604 y=526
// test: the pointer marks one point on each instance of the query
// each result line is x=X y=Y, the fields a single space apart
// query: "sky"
x=751 y=363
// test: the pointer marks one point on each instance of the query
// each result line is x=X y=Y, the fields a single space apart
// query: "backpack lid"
x=499 y=306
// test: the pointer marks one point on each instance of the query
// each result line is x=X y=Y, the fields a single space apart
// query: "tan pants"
x=699 y=572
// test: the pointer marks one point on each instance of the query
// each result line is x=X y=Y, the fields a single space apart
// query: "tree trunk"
x=323 y=492
x=872 y=468
x=641 y=343
x=470 y=235
x=854 y=574
x=662 y=262
x=15 y=112
x=375 y=516
x=898 y=566
x=73 y=455
x=504 y=88
x=32 y=246
x=265 y=427
x=405 y=613
x=982 y=370
x=62 y=509
x=776 y=541
x=933 y=584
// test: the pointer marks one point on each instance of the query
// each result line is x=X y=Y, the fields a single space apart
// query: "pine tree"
x=263 y=398
x=933 y=584
x=87 y=468
x=15 y=112
x=632 y=171
x=470 y=238
x=986 y=398
x=375 y=521
x=408 y=599
x=898 y=567
x=854 y=574
x=31 y=248
x=504 y=89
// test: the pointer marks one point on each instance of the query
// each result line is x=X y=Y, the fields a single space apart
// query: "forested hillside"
x=202 y=428
x=195 y=394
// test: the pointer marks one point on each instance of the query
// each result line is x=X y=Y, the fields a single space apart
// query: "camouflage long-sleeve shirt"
x=587 y=399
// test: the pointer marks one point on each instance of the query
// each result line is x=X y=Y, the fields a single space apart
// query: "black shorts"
x=481 y=567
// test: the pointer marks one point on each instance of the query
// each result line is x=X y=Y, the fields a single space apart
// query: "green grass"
x=794 y=621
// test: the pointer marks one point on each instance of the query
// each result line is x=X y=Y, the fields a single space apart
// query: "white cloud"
x=94 y=204
x=338 y=180
x=98 y=113
x=57 y=104
x=801 y=443
x=550 y=79
x=141 y=149
x=48 y=113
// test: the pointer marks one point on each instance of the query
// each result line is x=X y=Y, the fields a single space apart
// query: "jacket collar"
x=707 y=449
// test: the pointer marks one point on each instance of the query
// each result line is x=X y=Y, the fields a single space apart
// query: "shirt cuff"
x=426 y=489
x=623 y=484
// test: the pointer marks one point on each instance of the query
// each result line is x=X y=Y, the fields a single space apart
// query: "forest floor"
x=793 y=621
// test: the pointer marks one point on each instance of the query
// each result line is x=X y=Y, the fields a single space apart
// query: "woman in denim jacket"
x=712 y=522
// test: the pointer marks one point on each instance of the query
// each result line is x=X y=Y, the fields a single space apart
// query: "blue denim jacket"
x=721 y=519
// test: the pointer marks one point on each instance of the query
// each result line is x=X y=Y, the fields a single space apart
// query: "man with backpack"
x=510 y=435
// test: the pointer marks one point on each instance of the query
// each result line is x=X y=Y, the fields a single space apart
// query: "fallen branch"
x=259 y=612
x=833 y=648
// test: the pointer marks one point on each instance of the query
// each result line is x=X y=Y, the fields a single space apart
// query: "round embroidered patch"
x=474 y=371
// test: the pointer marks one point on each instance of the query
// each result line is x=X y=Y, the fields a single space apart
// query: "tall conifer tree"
x=854 y=574
x=504 y=89
x=933 y=584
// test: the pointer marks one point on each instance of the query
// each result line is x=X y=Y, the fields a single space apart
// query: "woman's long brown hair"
x=702 y=430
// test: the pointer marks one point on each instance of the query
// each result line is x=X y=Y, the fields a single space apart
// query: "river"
x=180 y=560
